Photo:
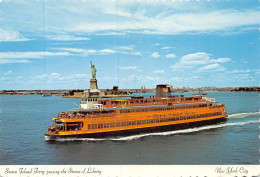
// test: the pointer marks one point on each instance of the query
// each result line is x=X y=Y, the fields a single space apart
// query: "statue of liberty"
x=93 y=70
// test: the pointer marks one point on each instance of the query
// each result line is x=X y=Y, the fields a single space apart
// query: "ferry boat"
x=98 y=118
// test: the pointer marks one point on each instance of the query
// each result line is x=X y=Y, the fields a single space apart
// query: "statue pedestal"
x=93 y=88
x=93 y=84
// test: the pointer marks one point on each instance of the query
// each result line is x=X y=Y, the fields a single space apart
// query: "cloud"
x=10 y=35
x=56 y=77
x=55 y=74
x=155 y=55
x=22 y=57
x=165 y=48
x=195 y=58
x=172 y=23
x=119 y=18
x=5 y=55
x=198 y=60
x=111 y=33
x=86 y=52
x=221 y=60
x=8 y=72
x=171 y=55
x=240 y=71
x=128 y=67
x=67 y=38
x=106 y=51
x=158 y=71
x=212 y=67
x=130 y=53
x=9 y=61
x=126 y=47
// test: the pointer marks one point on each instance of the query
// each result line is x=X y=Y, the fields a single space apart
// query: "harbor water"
x=25 y=118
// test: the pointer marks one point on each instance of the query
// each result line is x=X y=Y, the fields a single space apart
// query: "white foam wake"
x=242 y=115
x=190 y=130
x=133 y=137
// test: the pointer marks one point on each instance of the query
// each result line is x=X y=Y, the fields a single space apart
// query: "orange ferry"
x=117 y=117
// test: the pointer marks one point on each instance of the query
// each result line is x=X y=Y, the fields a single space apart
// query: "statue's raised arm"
x=93 y=70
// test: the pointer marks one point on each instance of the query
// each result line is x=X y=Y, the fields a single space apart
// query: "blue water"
x=25 y=118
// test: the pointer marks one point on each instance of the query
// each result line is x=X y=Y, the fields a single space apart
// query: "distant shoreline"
x=80 y=92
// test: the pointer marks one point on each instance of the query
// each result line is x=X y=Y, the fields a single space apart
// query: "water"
x=25 y=118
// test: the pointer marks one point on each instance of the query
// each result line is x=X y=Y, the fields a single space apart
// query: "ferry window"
x=101 y=125
x=112 y=124
x=143 y=121
x=129 y=123
x=88 y=126
x=133 y=122
x=118 y=124
x=138 y=122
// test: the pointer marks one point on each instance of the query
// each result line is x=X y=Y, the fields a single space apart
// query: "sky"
x=48 y=44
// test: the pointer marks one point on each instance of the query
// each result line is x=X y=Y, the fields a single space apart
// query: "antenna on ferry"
x=75 y=104
x=142 y=88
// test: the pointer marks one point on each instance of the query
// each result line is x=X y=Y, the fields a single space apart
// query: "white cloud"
x=106 y=51
x=153 y=17
x=86 y=52
x=56 y=77
x=111 y=33
x=11 y=57
x=171 y=55
x=55 y=74
x=221 y=60
x=158 y=71
x=6 y=55
x=11 y=36
x=212 y=67
x=157 y=44
x=240 y=71
x=130 y=53
x=155 y=55
x=165 y=48
x=176 y=23
x=126 y=47
x=67 y=38
x=128 y=67
x=39 y=77
x=8 y=72
x=9 y=61
x=198 y=59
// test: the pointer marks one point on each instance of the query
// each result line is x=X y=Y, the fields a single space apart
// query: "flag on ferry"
x=143 y=87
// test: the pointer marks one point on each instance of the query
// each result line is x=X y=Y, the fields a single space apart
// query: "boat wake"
x=133 y=137
x=190 y=130
x=242 y=115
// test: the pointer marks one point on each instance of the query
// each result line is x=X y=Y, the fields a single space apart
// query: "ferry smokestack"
x=163 y=90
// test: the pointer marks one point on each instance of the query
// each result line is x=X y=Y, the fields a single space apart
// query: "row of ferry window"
x=147 y=101
x=149 y=121
x=162 y=108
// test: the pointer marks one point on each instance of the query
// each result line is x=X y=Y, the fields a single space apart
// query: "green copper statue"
x=93 y=70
